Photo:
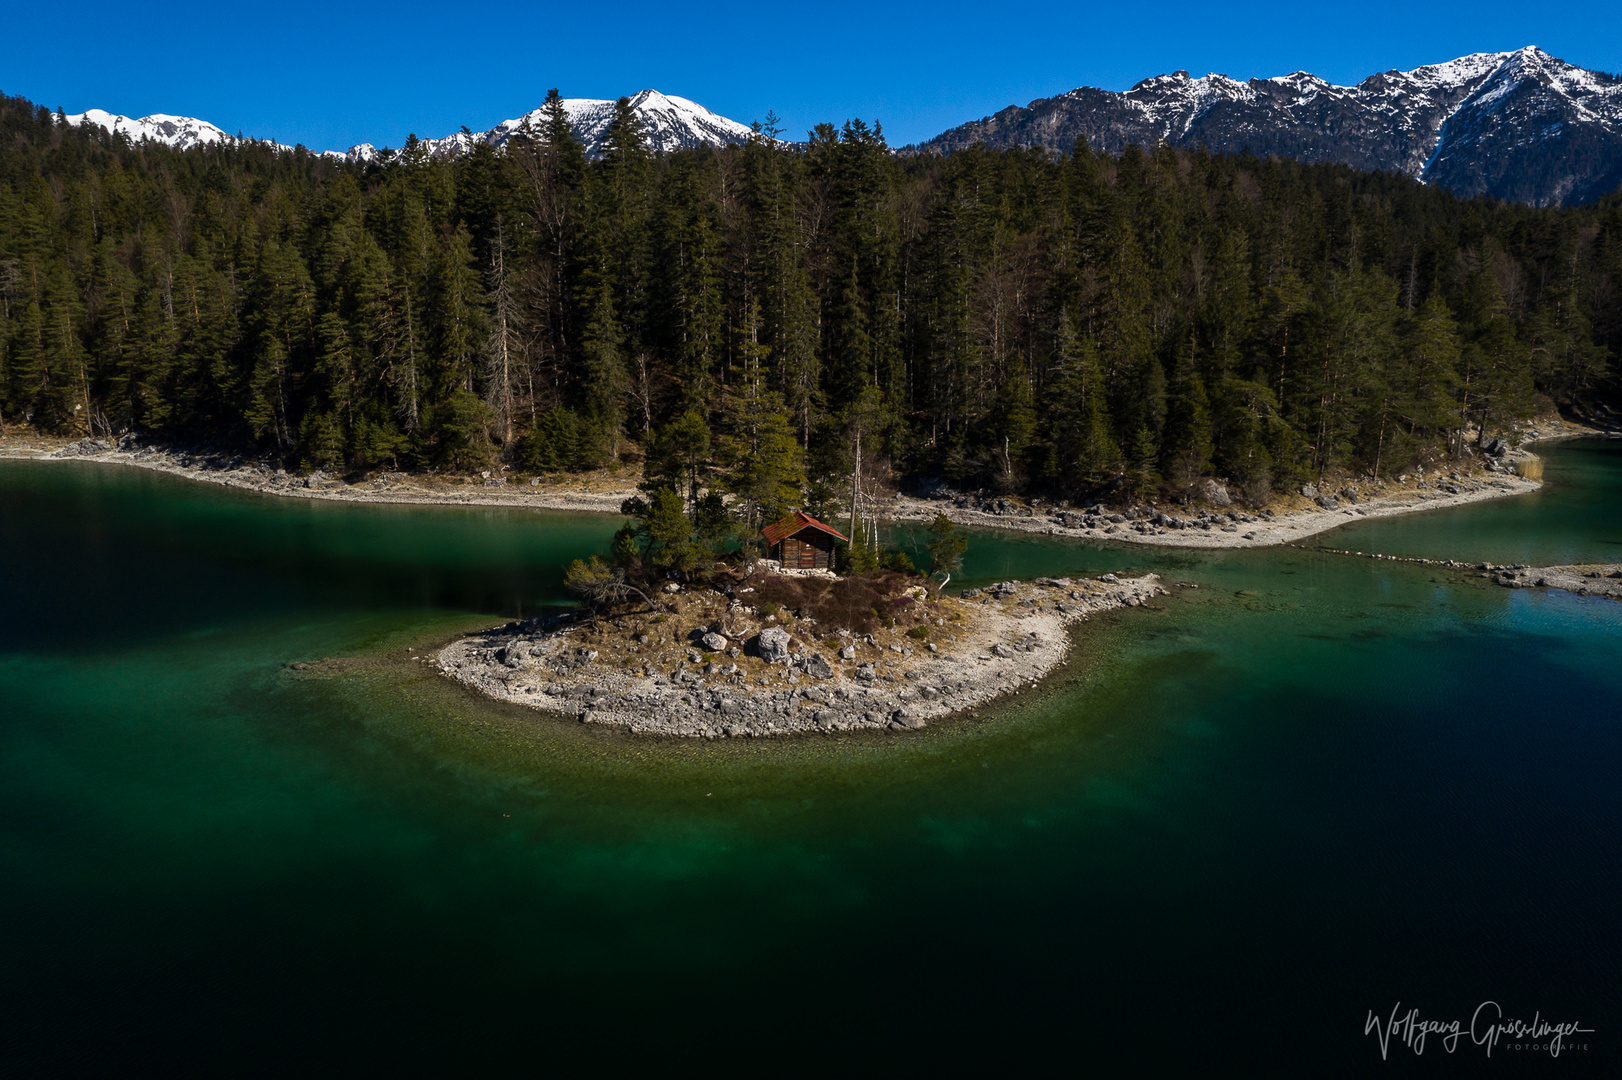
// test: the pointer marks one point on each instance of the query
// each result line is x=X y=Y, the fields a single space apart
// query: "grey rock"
x=848 y=653
x=713 y=641
x=1215 y=493
x=816 y=667
x=772 y=644
x=1002 y=650
x=1309 y=490
x=1328 y=502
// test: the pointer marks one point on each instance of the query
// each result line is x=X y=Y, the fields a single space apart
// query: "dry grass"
x=860 y=604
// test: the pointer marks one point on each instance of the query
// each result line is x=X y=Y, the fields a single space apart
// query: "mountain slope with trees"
x=794 y=325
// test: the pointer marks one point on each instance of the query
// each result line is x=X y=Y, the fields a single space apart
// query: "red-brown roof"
x=799 y=521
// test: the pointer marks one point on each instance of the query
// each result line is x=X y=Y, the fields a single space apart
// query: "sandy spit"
x=1015 y=635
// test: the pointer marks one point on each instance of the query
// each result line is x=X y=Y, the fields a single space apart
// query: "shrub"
x=855 y=603
x=918 y=633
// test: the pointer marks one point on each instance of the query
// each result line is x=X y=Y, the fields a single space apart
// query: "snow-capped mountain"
x=1520 y=125
x=670 y=123
x=180 y=132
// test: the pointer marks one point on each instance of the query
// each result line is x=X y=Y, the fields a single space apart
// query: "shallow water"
x=1313 y=787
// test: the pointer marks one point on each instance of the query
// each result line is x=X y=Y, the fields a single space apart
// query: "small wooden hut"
x=801 y=542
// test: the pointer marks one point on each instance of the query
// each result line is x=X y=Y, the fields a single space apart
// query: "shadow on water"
x=1311 y=787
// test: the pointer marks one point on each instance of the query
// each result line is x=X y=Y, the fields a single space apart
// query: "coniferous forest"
x=769 y=315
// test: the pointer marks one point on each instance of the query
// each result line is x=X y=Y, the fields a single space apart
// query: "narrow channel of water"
x=1312 y=787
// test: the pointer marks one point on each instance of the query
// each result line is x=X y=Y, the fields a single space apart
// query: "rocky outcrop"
x=1591 y=579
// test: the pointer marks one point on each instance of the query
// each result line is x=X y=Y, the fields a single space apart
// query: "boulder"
x=1214 y=493
x=1002 y=650
x=772 y=644
x=713 y=641
x=816 y=667
x=1328 y=502
x=1309 y=490
x=848 y=653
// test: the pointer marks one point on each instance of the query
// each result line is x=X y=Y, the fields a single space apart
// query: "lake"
x=1312 y=788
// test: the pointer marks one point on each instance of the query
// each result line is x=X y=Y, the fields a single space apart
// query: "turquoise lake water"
x=1313 y=787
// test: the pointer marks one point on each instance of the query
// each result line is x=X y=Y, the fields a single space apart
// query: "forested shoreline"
x=771 y=319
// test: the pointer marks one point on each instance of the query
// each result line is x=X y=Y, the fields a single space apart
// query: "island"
x=757 y=652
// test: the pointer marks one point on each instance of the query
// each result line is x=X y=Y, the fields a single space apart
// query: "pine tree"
x=1186 y=444
x=603 y=374
x=1013 y=424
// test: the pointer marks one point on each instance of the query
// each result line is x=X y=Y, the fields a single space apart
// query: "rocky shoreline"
x=247 y=474
x=1302 y=517
x=1217 y=524
x=703 y=684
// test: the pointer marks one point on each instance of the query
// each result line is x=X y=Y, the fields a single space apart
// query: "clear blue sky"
x=332 y=74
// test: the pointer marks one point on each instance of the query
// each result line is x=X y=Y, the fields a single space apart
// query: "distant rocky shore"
x=248 y=474
x=1215 y=520
x=720 y=667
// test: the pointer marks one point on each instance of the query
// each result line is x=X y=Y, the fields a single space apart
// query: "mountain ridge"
x=1522 y=125
x=669 y=122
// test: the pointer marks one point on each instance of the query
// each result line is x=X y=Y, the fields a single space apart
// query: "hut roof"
x=778 y=531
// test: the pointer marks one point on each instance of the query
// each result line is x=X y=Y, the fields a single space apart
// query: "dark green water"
x=1314 y=787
